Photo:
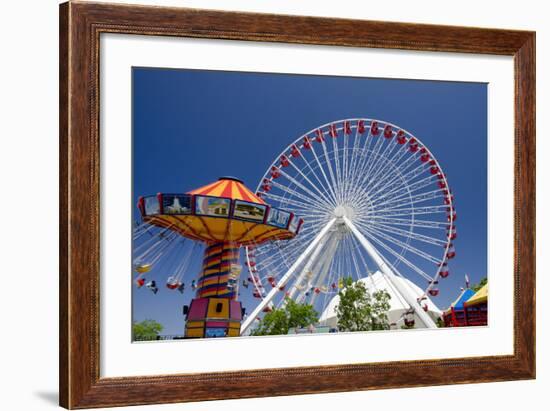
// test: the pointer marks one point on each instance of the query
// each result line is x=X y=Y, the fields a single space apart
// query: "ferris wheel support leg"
x=409 y=298
x=307 y=268
x=250 y=319
x=326 y=263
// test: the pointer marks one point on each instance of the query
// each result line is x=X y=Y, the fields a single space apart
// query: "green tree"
x=146 y=330
x=477 y=287
x=359 y=310
x=280 y=320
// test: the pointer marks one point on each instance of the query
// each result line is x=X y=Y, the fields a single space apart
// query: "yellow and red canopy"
x=223 y=211
x=228 y=187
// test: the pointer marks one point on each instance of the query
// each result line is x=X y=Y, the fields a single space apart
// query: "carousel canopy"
x=464 y=296
x=479 y=297
x=228 y=187
x=223 y=211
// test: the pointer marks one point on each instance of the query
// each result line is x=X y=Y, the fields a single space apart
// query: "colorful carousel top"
x=479 y=297
x=223 y=211
x=458 y=304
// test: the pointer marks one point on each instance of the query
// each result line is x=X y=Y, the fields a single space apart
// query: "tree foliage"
x=146 y=330
x=280 y=320
x=477 y=287
x=359 y=310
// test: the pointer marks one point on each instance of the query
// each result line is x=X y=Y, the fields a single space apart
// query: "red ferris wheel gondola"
x=388 y=132
x=374 y=129
x=401 y=138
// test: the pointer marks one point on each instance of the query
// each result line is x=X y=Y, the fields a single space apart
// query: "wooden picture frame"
x=80 y=27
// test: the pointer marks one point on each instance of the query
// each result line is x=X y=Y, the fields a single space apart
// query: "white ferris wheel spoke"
x=402 y=244
x=353 y=158
x=364 y=179
x=297 y=183
x=416 y=223
x=322 y=169
x=396 y=152
x=415 y=199
x=328 y=163
x=409 y=234
x=397 y=255
x=312 y=199
x=411 y=212
x=402 y=173
x=395 y=162
x=384 y=268
x=337 y=165
x=323 y=195
x=328 y=189
x=397 y=192
x=295 y=204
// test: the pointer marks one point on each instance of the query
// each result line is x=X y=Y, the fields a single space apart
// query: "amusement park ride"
x=225 y=215
x=360 y=196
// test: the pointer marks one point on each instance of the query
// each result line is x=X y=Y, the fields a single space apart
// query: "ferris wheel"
x=374 y=199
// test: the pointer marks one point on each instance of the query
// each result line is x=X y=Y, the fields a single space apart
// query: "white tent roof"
x=375 y=282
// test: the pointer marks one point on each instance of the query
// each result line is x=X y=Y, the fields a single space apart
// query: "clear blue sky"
x=190 y=127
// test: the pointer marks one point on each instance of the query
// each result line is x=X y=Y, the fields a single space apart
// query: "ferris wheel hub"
x=343 y=210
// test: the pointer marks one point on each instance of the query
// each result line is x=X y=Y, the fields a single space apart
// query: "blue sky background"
x=192 y=126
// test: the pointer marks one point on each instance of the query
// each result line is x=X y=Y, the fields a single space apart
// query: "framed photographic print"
x=256 y=205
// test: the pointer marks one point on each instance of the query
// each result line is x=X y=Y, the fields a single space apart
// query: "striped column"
x=215 y=311
x=215 y=280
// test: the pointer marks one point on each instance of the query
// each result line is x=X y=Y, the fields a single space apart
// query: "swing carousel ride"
x=373 y=202
x=224 y=216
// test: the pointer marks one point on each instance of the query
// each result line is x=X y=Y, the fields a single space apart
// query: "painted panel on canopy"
x=176 y=204
x=249 y=211
x=212 y=206
x=278 y=218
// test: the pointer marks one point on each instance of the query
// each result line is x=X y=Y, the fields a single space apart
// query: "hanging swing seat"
x=143 y=268
x=173 y=283
x=152 y=285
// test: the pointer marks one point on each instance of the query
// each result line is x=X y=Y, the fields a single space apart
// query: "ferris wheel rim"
x=353 y=123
